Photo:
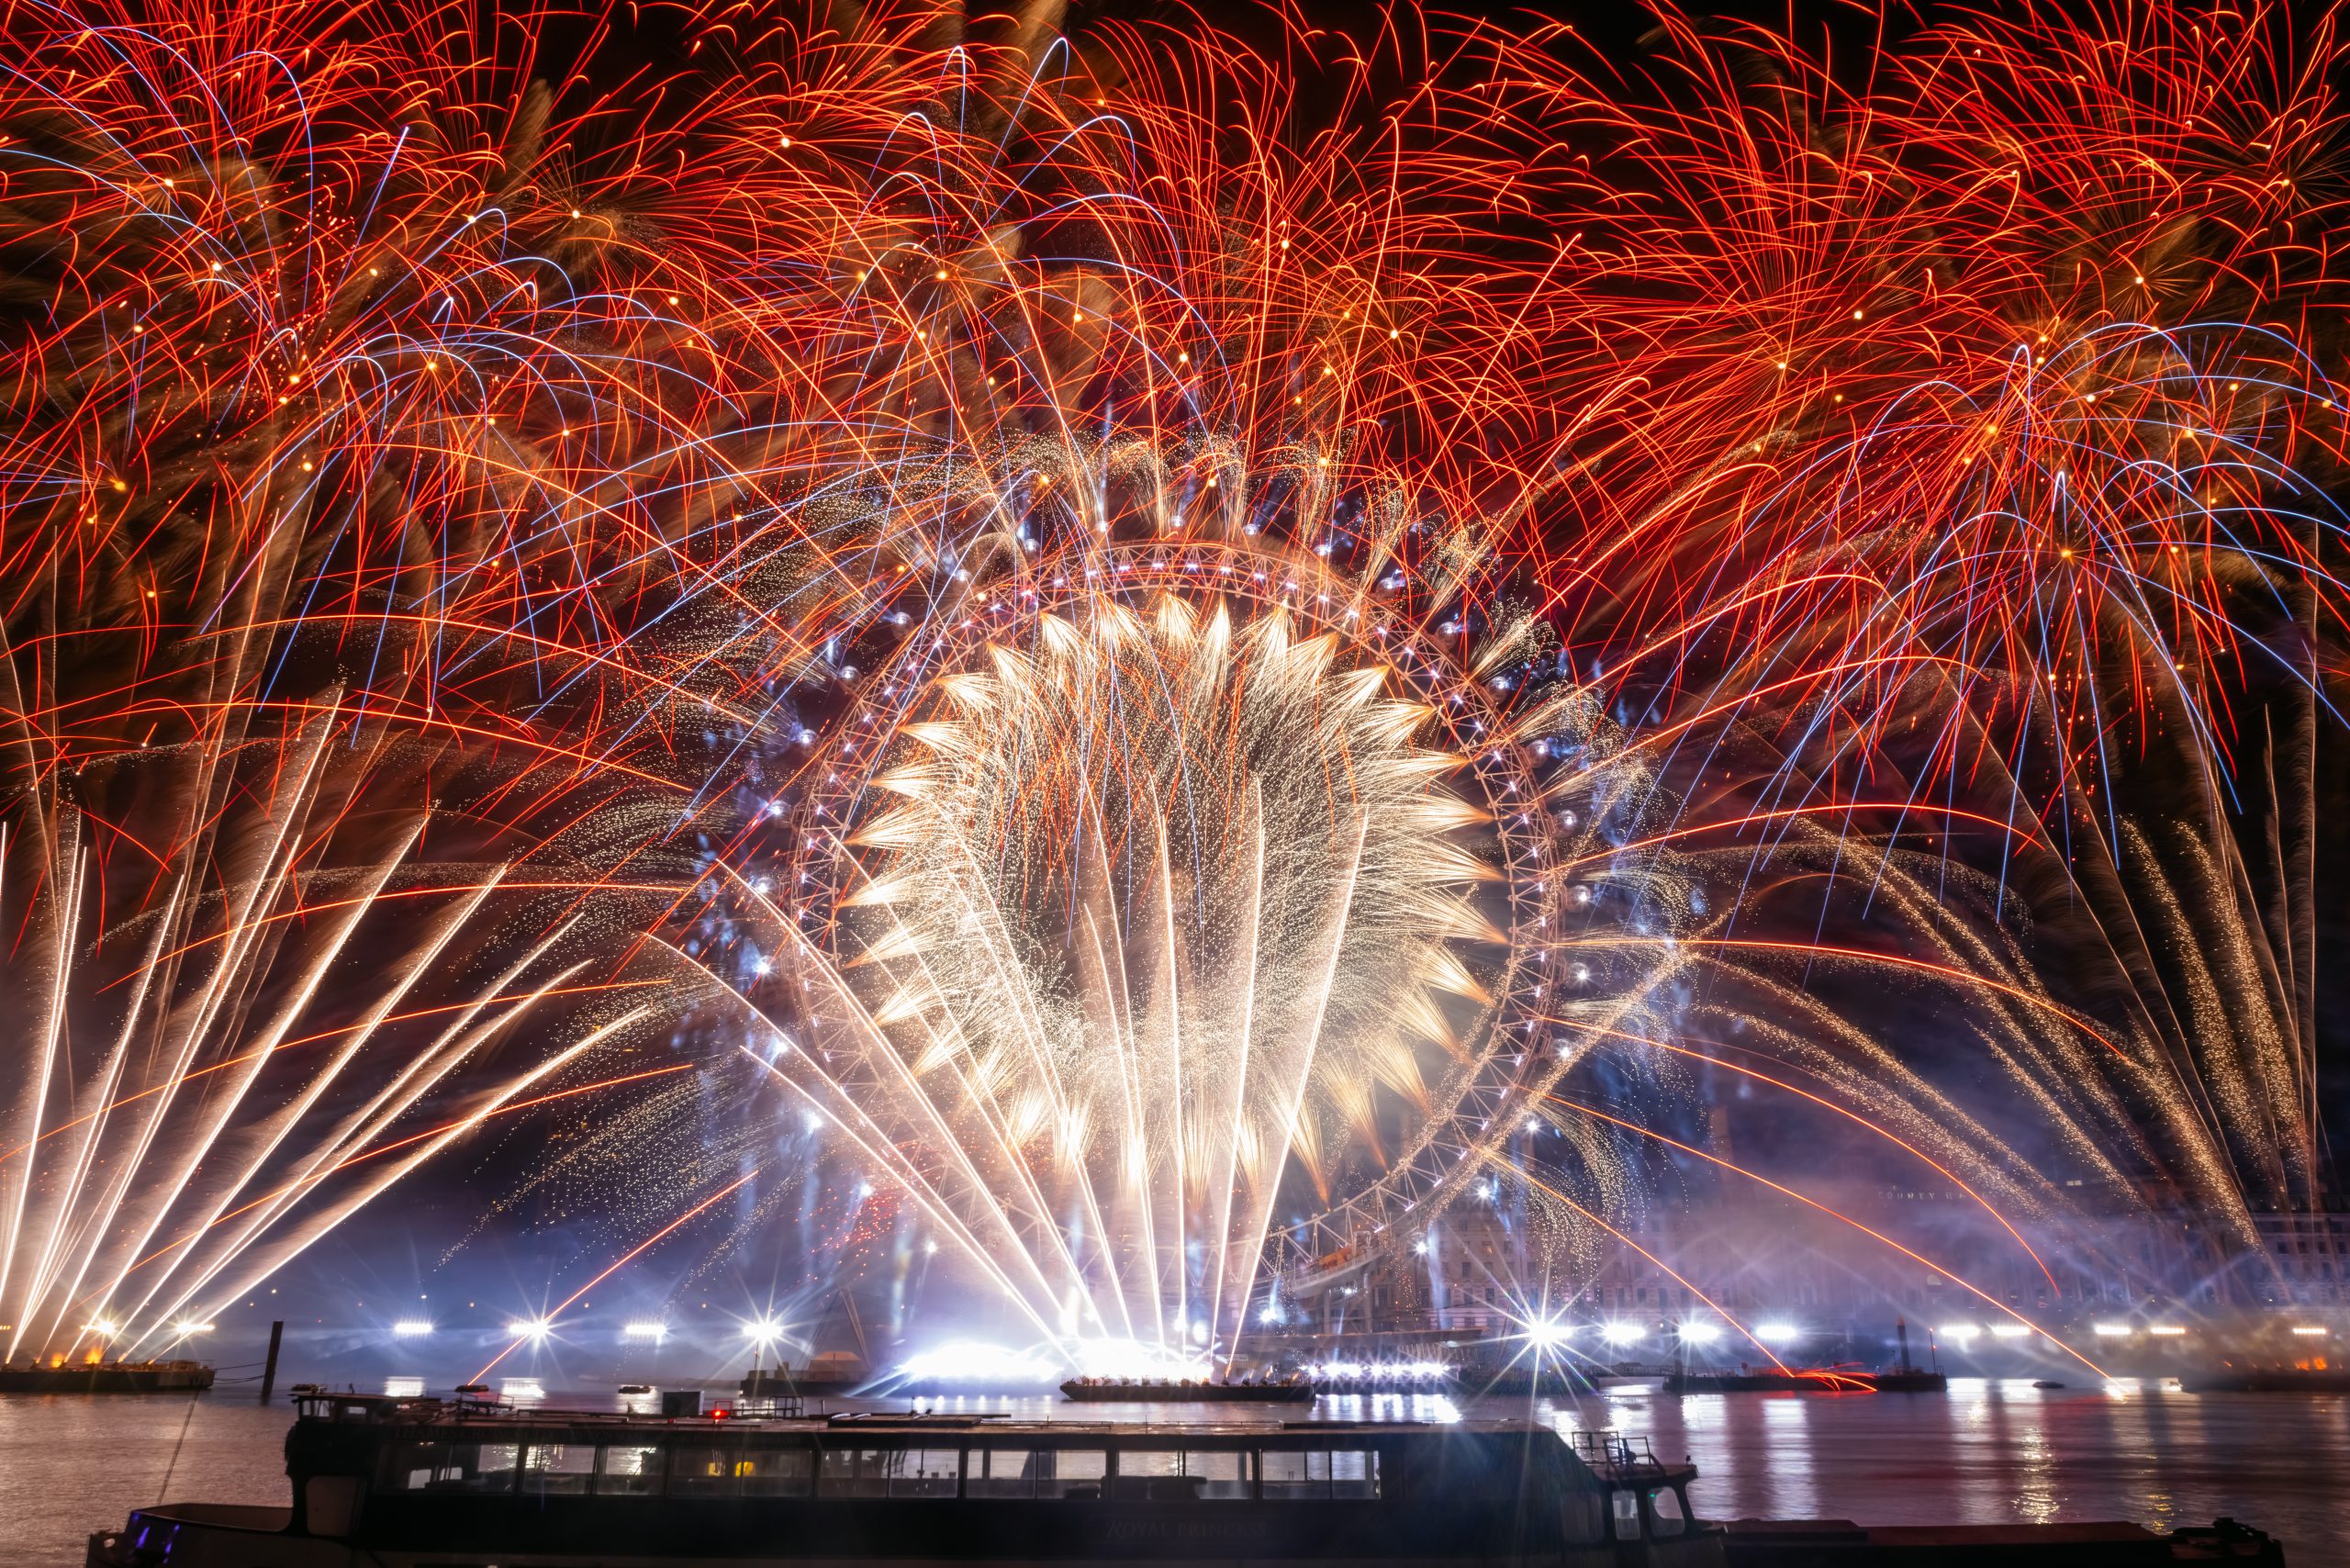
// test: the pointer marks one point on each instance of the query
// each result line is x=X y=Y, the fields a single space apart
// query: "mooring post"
x=269 y=1369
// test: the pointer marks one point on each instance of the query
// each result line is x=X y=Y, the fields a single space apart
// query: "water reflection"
x=1793 y=1488
x=404 y=1387
x=2035 y=1456
x=2004 y=1451
x=1387 y=1407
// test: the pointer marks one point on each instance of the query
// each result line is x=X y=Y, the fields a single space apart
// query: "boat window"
x=559 y=1469
x=1665 y=1517
x=628 y=1470
x=1161 y=1475
x=1152 y=1474
x=893 y=1473
x=1296 y=1472
x=428 y=1466
x=1320 y=1472
x=925 y=1473
x=1626 y=1504
x=1583 y=1516
x=701 y=1470
x=838 y=1472
x=1223 y=1473
x=411 y=1466
x=1354 y=1473
x=1001 y=1472
x=1070 y=1472
x=776 y=1473
x=732 y=1471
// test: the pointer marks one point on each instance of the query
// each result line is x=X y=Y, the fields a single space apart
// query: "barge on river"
x=416 y=1484
x=1825 y=1381
x=106 y=1377
x=1184 y=1391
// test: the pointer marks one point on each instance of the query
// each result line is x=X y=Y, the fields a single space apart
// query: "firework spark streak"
x=1163 y=900
x=1171 y=630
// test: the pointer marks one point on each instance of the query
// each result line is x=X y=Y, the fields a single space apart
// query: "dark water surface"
x=1988 y=1452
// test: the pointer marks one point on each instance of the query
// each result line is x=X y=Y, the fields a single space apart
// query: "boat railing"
x=324 y=1407
x=1614 y=1453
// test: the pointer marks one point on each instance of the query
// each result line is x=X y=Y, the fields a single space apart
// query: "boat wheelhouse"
x=418 y=1484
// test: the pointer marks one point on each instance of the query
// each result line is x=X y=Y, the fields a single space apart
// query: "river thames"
x=1990 y=1451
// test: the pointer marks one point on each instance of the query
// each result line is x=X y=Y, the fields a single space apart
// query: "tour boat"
x=417 y=1483
x=380 y=1482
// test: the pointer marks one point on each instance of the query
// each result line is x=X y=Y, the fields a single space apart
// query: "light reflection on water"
x=1794 y=1487
x=1988 y=1453
x=2004 y=1452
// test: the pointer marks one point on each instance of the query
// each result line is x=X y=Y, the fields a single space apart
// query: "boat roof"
x=428 y=1412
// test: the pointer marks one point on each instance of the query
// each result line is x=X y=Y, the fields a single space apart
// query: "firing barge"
x=2284 y=1381
x=1183 y=1391
x=1825 y=1381
x=106 y=1377
x=781 y=1383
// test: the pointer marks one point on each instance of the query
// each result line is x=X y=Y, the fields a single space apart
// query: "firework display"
x=1153 y=641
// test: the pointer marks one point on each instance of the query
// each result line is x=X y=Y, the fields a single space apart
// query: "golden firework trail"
x=1202 y=621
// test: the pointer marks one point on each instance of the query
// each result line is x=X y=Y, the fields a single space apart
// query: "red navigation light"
x=717 y=1412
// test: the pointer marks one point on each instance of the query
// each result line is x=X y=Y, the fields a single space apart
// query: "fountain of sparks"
x=1163 y=916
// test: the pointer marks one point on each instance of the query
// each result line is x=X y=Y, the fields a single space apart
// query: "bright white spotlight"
x=2166 y=1330
x=1777 y=1333
x=1622 y=1333
x=980 y=1364
x=530 y=1327
x=765 y=1330
x=187 y=1326
x=105 y=1326
x=1701 y=1331
x=1959 y=1333
x=410 y=1327
x=2110 y=1331
x=645 y=1331
x=1545 y=1333
x=1123 y=1358
x=2309 y=1331
x=2010 y=1331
